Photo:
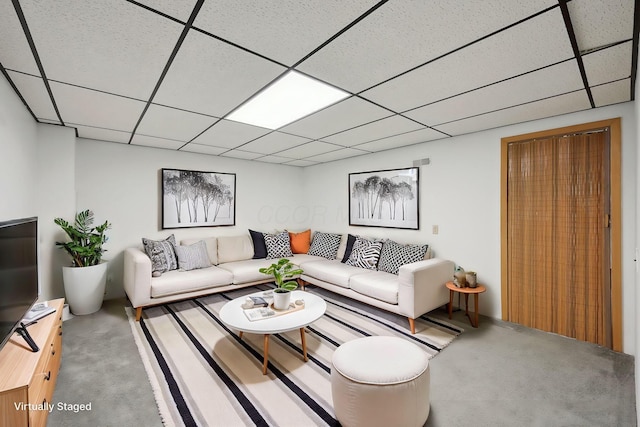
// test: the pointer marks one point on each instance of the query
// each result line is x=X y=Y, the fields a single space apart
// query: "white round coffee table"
x=232 y=314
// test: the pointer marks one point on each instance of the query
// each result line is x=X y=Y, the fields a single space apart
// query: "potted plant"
x=86 y=279
x=283 y=271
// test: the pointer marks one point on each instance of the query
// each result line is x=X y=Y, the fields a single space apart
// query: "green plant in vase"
x=283 y=272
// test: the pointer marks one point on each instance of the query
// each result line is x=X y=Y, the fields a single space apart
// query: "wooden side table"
x=466 y=291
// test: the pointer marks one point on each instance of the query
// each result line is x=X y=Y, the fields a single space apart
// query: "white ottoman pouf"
x=380 y=381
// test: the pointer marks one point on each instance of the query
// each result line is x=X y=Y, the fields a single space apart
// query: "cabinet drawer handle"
x=48 y=376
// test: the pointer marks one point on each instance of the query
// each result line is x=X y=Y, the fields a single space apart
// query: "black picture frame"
x=198 y=199
x=385 y=198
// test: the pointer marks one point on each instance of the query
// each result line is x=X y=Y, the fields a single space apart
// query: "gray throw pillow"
x=192 y=257
x=394 y=255
x=162 y=254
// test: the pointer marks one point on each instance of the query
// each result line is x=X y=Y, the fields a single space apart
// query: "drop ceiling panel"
x=600 y=22
x=229 y=134
x=35 y=94
x=152 y=141
x=274 y=142
x=561 y=78
x=556 y=106
x=386 y=127
x=178 y=9
x=612 y=93
x=409 y=138
x=344 y=115
x=101 y=134
x=212 y=77
x=203 y=149
x=173 y=124
x=16 y=53
x=245 y=155
x=418 y=31
x=536 y=43
x=609 y=64
x=92 y=108
x=283 y=30
x=310 y=149
x=301 y=163
x=343 y=153
x=274 y=159
x=108 y=45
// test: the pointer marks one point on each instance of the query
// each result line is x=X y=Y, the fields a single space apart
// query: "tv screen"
x=18 y=272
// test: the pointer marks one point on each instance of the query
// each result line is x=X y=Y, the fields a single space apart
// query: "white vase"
x=281 y=299
x=84 y=287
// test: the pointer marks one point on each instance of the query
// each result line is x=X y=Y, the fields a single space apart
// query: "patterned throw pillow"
x=278 y=245
x=394 y=255
x=193 y=256
x=325 y=245
x=365 y=254
x=162 y=254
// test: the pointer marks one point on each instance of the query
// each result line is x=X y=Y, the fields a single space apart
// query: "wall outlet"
x=434 y=229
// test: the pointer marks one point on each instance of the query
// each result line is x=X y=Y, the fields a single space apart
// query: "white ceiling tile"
x=607 y=65
x=35 y=94
x=301 y=163
x=600 y=22
x=342 y=153
x=576 y=101
x=51 y=122
x=612 y=93
x=152 y=141
x=409 y=138
x=239 y=154
x=108 y=45
x=203 y=149
x=273 y=143
x=344 y=115
x=175 y=124
x=102 y=134
x=92 y=108
x=178 y=9
x=274 y=159
x=403 y=34
x=230 y=134
x=212 y=77
x=284 y=30
x=561 y=78
x=310 y=149
x=14 y=48
x=386 y=127
x=536 y=43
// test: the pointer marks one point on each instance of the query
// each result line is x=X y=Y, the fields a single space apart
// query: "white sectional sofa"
x=417 y=288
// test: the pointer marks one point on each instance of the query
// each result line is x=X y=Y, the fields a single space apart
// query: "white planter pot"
x=281 y=300
x=84 y=287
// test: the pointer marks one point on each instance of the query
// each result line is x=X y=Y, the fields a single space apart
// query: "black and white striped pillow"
x=325 y=245
x=394 y=255
x=278 y=245
x=365 y=254
x=193 y=256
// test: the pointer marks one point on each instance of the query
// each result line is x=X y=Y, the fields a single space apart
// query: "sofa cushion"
x=177 y=282
x=365 y=254
x=193 y=257
x=301 y=259
x=162 y=254
x=325 y=245
x=278 y=245
x=259 y=247
x=332 y=271
x=394 y=255
x=377 y=284
x=300 y=242
x=234 y=248
x=247 y=271
x=212 y=247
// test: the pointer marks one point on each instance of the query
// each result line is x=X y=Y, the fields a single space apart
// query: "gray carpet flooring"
x=500 y=374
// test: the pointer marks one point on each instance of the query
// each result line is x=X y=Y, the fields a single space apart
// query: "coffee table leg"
x=266 y=354
x=303 y=338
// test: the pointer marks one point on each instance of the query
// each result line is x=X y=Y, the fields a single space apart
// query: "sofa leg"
x=138 y=313
x=412 y=325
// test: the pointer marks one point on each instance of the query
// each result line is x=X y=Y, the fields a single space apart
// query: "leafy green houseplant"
x=85 y=247
x=282 y=271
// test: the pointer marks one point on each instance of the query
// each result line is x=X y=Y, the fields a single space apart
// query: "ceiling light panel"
x=561 y=78
x=108 y=45
x=536 y=43
x=35 y=94
x=409 y=138
x=152 y=141
x=402 y=35
x=173 y=124
x=102 y=134
x=344 y=115
x=569 y=103
x=600 y=22
x=274 y=142
x=178 y=9
x=609 y=64
x=343 y=153
x=92 y=108
x=284 y=30
x=386 y=127
x=16 y=53
x=212 y=77
x=307 y=150
x=226 y=133
x=203 y=149
x=612 y=93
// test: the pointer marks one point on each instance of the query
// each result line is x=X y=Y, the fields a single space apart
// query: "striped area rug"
x=202 y=374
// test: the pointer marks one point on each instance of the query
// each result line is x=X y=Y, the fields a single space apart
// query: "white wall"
x=460 y=192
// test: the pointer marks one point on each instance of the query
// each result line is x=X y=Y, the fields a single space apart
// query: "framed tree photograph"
x=198 y=199
x=387 y=198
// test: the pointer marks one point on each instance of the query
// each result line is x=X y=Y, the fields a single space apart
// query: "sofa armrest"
x=137 y=276
x=422 y=286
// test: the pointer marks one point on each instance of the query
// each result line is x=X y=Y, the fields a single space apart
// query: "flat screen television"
x=18 y=273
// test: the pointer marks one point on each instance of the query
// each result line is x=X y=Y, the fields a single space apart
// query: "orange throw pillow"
x=300 y=242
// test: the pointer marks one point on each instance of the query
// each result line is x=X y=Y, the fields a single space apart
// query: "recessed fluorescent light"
x=289 y=98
